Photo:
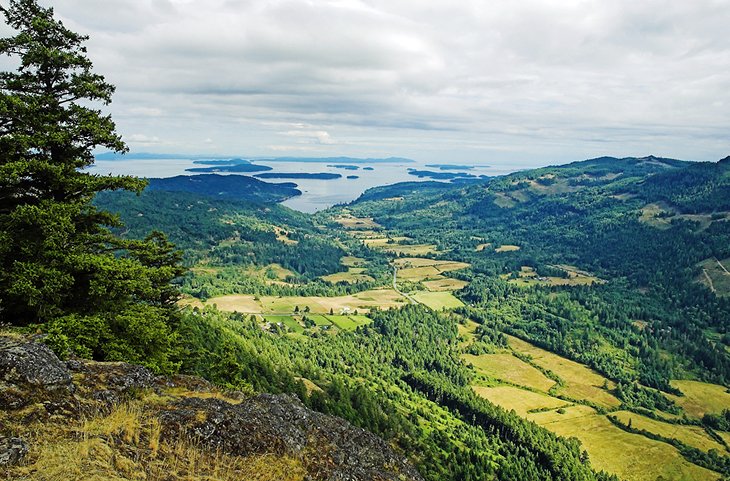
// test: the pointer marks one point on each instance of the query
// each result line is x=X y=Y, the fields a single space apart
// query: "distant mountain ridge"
x=237 y=160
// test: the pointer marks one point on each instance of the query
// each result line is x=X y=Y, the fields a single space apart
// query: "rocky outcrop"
x=30 y=372
x=329 y=448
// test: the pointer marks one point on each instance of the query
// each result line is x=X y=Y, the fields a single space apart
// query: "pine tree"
x=60 y=266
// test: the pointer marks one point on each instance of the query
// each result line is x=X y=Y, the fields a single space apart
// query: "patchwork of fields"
x=523 y=386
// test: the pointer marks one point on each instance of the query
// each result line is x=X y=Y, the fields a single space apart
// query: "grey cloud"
x=526 y=80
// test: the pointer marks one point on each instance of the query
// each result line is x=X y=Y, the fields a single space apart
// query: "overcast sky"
x=529 y=82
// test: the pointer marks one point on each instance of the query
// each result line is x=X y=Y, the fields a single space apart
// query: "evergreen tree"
x=60 y=265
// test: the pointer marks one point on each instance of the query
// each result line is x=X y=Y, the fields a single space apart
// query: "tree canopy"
x=60 y=265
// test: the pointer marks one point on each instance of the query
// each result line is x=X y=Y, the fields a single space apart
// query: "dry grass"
x=128 y=445
x=632 y=457
x=352 y=276
x=715 y=275
x=691 y=435
x=357 y=223
x=507 y=248
x=362 y=301
x=580 y=382
x=445 y=284
x=701 y=397
x=437 y=300
x=519 y=400
x=507 y=367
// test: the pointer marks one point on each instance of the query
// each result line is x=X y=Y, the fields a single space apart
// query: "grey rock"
x=12 y=450
x=280 y=424
x=29 y=371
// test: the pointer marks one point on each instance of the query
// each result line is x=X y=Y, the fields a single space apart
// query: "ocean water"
x=316 y=194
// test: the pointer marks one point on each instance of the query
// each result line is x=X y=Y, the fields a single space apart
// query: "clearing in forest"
x=508 y=368
x=351 y=222
x=632 y=457
x=715 y=274
x=701 y=398
x=580 y=382
x=362 y=302
x=521 y=401
x=437 y=300
x=694 y=436
x=507 y=248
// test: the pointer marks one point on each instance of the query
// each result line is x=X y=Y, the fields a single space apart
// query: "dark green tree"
x=60 y=265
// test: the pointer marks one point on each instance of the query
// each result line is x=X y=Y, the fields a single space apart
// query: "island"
x=298 y=175
x=230 y=168
x=236 y=187
x=353 y=176
x=451 y=166
x=368 y=168
x=344 y=166
x=440 y=175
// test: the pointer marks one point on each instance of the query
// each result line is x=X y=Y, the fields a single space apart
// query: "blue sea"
x=316 y=194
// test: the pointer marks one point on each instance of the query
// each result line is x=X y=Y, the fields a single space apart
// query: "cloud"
x=536 y=79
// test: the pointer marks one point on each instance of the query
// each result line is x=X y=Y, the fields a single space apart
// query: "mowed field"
x=437 y=300
x=506 y=367
x=362 y=301
x=392 y=245
x=580 y=381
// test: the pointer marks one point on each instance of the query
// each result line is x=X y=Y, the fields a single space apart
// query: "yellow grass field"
x=581 y=382
x=506 y=367
x=467 y=331
x=384 y=241
x=362 y=301
x=352 y=261
x=352 y=276
x=519 y=400
x=410 y=250
x=701 y=397
x=445 y=284
x=632 y=457
x=357 y=223
x=690 y=435
x=437 y=300
x=481 y=247
x=418 y=273
x=507 y=248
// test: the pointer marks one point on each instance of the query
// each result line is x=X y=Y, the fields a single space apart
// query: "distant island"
x=440 y=175
x=353 y=176
x=344 y=166
x=231 y=168
x=235 y=161
x=238 y=187
x=368 y=168
x=450 y=166
x=298 y=175
x=223 y=160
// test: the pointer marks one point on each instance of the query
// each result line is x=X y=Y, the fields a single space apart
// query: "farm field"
x=507 y=248
x=362 y=301
x=690 y=435
x=508 y=368
x=467 y=331
x=580 y=381
x=519 y=400
x=632 y=457
x=357 y=223
x=701 y=398
x=288 y=321
x=437 y=300
x=528 y=277
x=445 y=284
x=352 y=276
